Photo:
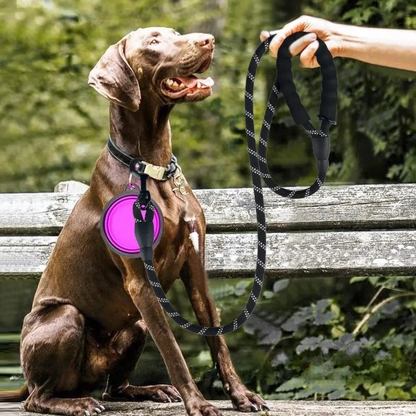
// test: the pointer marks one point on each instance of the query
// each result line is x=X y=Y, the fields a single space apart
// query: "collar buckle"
x=155 y=172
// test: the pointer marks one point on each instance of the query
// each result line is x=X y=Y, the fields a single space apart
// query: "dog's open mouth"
x=180 y=86
x=189 y=86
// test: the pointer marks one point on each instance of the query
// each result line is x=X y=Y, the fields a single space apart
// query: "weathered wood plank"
x=333 y=207
x=339 y=207
x=277 y=408
x=340 y=254
x=35 y=214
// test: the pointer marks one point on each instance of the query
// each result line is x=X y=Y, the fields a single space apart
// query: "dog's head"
x=155 y=61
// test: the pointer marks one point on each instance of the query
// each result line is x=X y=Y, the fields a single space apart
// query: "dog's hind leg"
x=128 y=346
x=52 y=354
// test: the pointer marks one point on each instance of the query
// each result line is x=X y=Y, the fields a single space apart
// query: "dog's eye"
x=154 y=42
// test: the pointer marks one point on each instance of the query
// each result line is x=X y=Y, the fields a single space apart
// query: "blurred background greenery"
x=306 y=339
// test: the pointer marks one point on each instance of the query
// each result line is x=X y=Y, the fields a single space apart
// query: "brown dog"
x=93 y=308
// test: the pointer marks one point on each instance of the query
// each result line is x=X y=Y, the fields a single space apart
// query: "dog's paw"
x=201 y=407
x=246 y=401
x=162 y=393
x=74 y=407
x=88 y=407
x=97 y=410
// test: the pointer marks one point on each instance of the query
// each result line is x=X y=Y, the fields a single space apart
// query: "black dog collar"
x=156 y=172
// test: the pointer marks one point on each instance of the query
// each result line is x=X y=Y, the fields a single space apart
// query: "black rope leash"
x=143 y=209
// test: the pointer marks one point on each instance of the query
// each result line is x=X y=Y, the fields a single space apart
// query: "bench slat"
x=338 y=207
x=340 y=254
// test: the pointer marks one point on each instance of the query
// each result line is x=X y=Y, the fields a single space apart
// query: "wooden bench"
x=341 y=231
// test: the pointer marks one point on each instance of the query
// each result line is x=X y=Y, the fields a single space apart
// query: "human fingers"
x=297 y=25
x=276 y=41
x=299 y=45
x=307 y=56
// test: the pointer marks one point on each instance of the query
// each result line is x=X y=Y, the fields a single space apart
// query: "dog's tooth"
x=169 y=81
x=198 y=84
x=97 y=410
x=102 y=408
x=175 y=84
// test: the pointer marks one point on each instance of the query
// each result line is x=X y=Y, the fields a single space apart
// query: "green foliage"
x=53 y=126
x=336 y=347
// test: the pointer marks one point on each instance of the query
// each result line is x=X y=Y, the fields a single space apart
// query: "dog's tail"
x=15 y=396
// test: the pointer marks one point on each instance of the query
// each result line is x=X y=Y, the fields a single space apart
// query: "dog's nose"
x=206 y=41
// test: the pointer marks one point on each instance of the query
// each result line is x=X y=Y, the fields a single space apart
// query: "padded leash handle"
x=285 y=85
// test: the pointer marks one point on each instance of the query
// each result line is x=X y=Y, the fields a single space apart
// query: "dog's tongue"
x=191 y=82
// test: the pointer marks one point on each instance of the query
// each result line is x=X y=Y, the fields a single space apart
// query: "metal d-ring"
x=131 y=185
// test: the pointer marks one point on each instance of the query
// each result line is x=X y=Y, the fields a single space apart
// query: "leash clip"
x=131 y=185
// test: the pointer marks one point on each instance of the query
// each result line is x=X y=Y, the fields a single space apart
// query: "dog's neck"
x=144 y=133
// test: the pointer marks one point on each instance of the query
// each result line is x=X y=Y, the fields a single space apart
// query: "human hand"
x=307 y=45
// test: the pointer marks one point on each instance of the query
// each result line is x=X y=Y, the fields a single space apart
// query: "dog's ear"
x=114 y=79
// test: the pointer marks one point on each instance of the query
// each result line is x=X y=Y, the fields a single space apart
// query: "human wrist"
x=352 y=40
x=342 y=39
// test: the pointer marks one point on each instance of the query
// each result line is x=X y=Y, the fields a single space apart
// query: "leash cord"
x=259 y=169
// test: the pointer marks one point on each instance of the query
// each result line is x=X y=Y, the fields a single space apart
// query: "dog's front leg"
x=142 y=294
x=196 y=282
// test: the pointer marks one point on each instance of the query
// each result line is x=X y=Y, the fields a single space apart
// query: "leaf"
x=280 y=285
x=395 y=393
x=337 y=331
x=382 y=392
x=326 y=386
x=375 y=388
x=281 y=358
x=298 y=319
x=327 y=345
x=322 y=304
x=346 y=339
x=374 y=280
x=267 y=332
x=278 y=396
x=356 y=279
x=204 y=357
x=310 y=343
x=338 y=394
x=292 y=384
x=323 y=318
x=272 y=338
x=304 y=394
x=268 y=294
x=382 y=355
x=241 y=287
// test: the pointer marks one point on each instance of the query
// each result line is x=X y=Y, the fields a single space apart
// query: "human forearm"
x=388 y=47
x=395 y=48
